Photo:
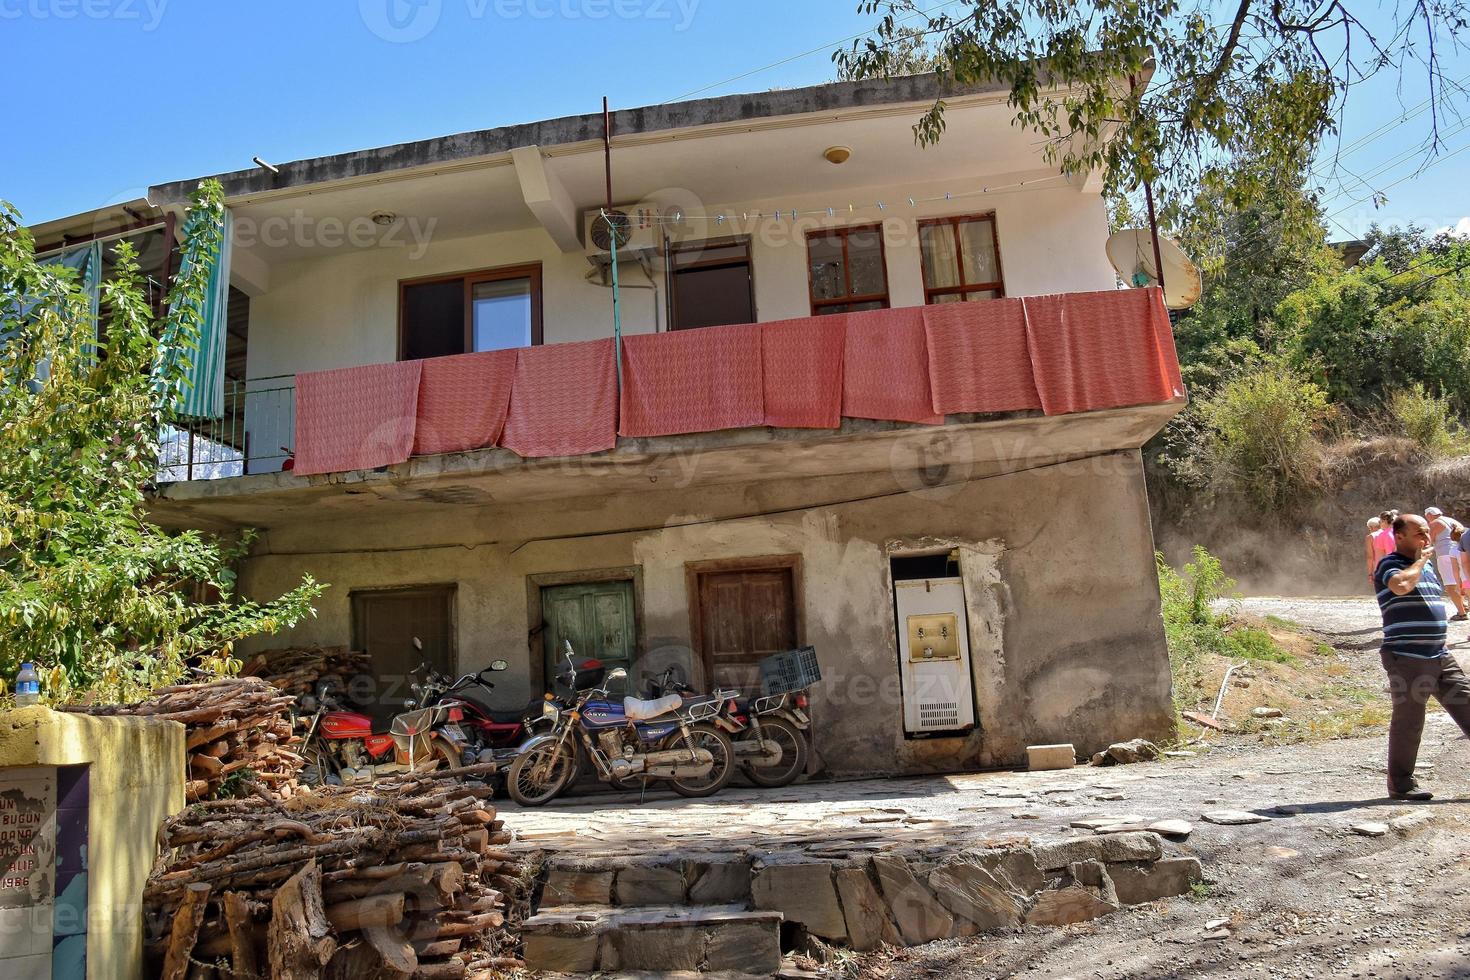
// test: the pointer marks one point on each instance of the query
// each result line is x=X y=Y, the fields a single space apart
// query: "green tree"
x=108 y=603
x=1386 y=325
x=1252 y=255
x=1252 y=76
x=909 y=51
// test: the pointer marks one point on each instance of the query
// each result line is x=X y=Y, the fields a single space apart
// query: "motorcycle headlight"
x=549 y=710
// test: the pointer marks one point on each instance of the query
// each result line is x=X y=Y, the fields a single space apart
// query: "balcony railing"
x=253 y=435
x=1060 y=354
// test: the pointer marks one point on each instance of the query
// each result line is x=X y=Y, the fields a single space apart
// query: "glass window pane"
x=865 y=255
x=947 y=298
x=687 y=255
x=940 y=268
x=824 y=256
x=977 y=242
x=872 y=304
x=983 y=294
x=502 y=314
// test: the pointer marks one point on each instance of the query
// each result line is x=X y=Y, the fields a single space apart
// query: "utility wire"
x=807 y=54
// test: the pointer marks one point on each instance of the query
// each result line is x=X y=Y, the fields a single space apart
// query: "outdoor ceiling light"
x=384 y=217
x=837 y=154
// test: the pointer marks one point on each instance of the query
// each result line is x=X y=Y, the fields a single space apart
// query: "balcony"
x=254 y=434
x=799 y=383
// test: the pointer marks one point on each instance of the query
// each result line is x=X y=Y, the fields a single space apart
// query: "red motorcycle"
x=344 y=746
x=493 y=734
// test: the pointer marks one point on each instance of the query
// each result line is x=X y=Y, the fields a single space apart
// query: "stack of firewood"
x=298 y=670
x=238 y=730
x=406 y=879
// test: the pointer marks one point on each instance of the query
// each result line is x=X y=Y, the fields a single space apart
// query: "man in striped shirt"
x=1412 y=600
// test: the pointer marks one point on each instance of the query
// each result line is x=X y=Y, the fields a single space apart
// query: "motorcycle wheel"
x=535 y=778
x=793 y=755
x=718 y=743
x=318 y=770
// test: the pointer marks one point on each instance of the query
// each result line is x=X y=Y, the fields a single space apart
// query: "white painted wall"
x=340 y=308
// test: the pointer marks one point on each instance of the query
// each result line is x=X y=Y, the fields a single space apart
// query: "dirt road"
x=1305 y=895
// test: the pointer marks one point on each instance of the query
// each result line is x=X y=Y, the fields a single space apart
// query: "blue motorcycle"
x=666 y=739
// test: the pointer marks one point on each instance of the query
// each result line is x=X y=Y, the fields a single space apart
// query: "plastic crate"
x=790 y=671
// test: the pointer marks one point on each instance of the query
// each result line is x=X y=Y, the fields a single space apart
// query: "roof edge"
x=565 y=130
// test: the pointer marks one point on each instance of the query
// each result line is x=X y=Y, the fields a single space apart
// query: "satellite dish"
x=1132 y=253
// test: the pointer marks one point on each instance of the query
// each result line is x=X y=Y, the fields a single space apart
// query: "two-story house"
x=883 y=400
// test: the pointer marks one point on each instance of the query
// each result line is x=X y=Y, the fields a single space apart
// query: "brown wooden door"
x=746 y=615
x=385 y=624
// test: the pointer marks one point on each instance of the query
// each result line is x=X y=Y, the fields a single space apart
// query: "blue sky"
x=142 y=91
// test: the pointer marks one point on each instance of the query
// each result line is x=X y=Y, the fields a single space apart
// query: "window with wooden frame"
x=961 y=258
x=846 y=269
x=492 y=309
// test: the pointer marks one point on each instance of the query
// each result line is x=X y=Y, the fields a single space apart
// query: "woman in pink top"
x=1381 y=542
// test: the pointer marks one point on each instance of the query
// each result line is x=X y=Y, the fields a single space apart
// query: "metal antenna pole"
x=612 y=234
x=1153 y=229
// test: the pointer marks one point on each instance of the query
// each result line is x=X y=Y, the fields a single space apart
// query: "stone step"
x=702 y=938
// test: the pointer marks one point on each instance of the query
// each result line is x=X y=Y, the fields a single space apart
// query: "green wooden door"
x=597 y=617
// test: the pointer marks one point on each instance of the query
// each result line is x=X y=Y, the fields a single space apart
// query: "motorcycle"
x=770 y=734
x=490 y=732
x=343 y=746
x=665 y=739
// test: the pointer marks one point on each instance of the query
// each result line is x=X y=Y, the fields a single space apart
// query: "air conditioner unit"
x=639 y=229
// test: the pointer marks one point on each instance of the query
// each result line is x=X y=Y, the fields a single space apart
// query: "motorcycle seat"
x=501 y=716
x=637 y=709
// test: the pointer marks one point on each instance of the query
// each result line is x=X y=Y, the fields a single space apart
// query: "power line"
x=807 y=54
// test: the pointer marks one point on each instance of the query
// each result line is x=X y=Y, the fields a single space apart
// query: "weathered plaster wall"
x=136 y=780
x=1063 y=601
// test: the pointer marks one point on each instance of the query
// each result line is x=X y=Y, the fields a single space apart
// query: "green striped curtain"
x=203 y=394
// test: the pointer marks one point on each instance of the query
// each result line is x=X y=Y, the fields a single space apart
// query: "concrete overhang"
x=629 y=125
x=969 y=447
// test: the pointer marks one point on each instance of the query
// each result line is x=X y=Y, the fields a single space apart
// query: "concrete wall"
x=136 y=779
x=1058 y=564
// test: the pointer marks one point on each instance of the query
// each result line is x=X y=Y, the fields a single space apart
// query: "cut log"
x=360 y=961
x=185 y=932
x=396 y=952
x=363 y=913
x=469 y=927
x=244 y=932
x=443 y=970
x=299 y=940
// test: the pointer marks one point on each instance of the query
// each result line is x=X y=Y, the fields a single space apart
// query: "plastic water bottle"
x=27 y=685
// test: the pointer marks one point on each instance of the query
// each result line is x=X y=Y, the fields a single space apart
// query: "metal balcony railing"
x=253 y=435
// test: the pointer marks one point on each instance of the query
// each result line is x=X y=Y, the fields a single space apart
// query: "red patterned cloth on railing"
x=978 y=360
x=692 y=381
x=356 y=418
x=885 y=367
x=1106 y=349
x=1073 y=352
x=564 y=400
x=463 y=401
x=802 y=368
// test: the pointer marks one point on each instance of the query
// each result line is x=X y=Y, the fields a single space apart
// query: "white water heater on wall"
x=934 y=656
